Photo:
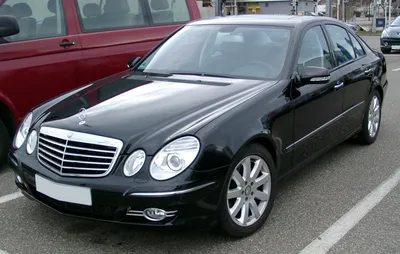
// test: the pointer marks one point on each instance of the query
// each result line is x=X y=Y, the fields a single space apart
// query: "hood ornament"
x=82 y=116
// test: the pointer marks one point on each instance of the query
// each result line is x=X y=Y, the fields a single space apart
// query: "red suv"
x=59 y=45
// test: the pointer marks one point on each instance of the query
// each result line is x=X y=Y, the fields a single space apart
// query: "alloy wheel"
x=374 y=115
x=249 y=190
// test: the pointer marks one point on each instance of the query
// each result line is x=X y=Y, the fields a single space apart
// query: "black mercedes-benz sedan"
x=200 y=131
x=390 y=37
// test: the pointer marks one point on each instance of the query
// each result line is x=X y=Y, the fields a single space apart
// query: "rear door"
x=356 y=68
x=40 y=61
x=114 y=31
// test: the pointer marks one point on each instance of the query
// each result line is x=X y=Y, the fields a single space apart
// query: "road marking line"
x=10 y=197
x=397 y=69
x=338 y=230
x=3 y=252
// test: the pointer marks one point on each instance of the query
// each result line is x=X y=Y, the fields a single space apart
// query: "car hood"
x=393 y=30
x=147 y=111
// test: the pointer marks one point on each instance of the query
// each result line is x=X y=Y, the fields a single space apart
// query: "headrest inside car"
x=52 y=6
x=5 y=10
x=160 y=5
x=21 y=10
x=91 y=10
x=116 y=7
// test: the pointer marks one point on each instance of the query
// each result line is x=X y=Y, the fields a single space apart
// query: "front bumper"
x=189 y=199
x=390 y=43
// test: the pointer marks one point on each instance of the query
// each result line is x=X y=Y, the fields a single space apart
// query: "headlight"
x=31 y=143
x=22 y=132
x=134 y=163
x=384 y=34
x=174 y=158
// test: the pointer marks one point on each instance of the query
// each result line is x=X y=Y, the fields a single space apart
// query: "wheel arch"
x=8 y=118
x=267 y=142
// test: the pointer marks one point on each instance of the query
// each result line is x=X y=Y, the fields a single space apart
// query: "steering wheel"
x=262 y=65
x=256 y=62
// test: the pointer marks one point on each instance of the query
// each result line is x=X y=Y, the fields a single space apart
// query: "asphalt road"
x=337 y=194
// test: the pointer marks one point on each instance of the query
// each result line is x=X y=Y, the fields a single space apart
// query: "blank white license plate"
x=62 y=192
x=395 y=47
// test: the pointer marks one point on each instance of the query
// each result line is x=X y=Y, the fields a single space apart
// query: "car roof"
x=261 y=19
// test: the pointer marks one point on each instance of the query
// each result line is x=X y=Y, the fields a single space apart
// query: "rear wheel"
x=4 y=144
x=372 y=120
x=248 y=193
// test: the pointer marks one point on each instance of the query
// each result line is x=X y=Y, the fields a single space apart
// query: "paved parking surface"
x=337 y=184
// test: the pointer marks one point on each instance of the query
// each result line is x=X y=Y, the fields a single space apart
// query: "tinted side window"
x=314 y=50
x=110 y=14
x=343 y=48
x=36 y=19
x=357 y=47
x=169 y=11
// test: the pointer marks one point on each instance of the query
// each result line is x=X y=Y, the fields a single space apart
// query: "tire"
x=366 y=137
x=229 y=224
x=4 y=144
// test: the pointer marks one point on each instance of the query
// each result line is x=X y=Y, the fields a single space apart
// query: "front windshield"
x=237 y=51
x=396 y=22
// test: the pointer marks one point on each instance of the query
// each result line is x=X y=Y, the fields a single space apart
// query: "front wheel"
x=385 y=50
x=249 y=192
x=372 y=120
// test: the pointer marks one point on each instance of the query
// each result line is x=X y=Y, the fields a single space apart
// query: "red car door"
x=114 y=31
x=40 y=61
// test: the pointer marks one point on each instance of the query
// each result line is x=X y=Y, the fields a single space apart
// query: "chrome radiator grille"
x=72 y=153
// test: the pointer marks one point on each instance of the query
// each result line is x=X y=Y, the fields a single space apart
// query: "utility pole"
x=390 y=14
x=338 y=9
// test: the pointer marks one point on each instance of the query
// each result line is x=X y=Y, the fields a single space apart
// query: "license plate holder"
x=62 y=192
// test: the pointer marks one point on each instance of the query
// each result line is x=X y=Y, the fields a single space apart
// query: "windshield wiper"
x=200 y=74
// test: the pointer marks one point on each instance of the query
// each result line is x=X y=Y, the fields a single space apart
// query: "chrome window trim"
x=69 y=135
x=324 y=125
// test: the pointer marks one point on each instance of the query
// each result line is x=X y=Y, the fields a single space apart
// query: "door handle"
x=367 y=71
x=67 y=43
x=339 y=85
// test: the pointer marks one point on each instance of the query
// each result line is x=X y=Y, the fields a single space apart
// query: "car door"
x=114 y=31
x=357 y=69
x=40 y=61
x=317 y=107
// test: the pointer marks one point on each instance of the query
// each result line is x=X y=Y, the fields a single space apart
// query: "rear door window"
x=164 y=12
x=341 y=42
x=101 y=15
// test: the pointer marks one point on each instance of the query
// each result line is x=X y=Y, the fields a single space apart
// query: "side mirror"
x=314 y=75
x=8 y=26
x=133 y=61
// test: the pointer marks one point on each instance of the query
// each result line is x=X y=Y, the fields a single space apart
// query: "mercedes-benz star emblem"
x=82 y=116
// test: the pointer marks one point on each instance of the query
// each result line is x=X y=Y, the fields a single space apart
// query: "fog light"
x=154 y=214
x=19 y=179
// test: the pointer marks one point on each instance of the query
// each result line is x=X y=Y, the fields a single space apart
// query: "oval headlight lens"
x=134 y=163
x=22 y=132
x=31 y=142
x=174 y=158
